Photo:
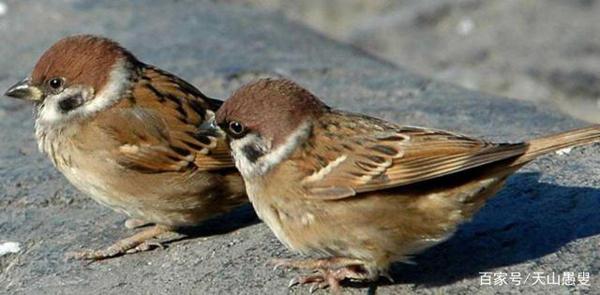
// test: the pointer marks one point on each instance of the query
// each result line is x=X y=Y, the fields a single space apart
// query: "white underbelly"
x=98 y=190
x=268 y=213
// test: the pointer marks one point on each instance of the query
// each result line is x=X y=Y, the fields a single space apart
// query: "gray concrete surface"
x=546 y=220
x=540 y=50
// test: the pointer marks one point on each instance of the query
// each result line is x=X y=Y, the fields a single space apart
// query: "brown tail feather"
x=547 y=144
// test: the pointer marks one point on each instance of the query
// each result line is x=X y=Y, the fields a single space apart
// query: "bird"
x=355 y=193
x=133 y=137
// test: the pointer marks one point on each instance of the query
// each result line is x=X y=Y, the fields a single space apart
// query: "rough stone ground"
x=546 y=220
x=541 y=50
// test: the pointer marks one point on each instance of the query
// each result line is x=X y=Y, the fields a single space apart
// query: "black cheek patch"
x=69 y=103
x=252 y=153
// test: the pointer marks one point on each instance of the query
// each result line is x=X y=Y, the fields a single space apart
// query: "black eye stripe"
x=252 y=153
x=69 y=103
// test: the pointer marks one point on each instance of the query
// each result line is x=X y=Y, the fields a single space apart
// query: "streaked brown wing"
x=359 y=154
x=169 y=127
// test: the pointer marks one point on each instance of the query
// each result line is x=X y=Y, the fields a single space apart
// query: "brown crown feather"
x=272 y=107
x=80 y=59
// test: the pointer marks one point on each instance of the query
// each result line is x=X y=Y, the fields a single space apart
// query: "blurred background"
x=543 y=51
x=546 y=51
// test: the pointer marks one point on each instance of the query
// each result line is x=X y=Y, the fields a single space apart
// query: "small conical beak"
x=24 y=90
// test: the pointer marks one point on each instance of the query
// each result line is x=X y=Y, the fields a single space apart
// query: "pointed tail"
x=547 y=144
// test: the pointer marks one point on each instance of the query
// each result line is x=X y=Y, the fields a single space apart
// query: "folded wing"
x=363 y=154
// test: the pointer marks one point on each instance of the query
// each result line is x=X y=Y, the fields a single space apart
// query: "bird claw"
x=318 y=281
x=279 y=263
x=145 y=246
x=317 y=286
x=293 y=282
x=136 y=243
x=93 y=255
x=326 y=273
x=112 y=251
x=387 y=276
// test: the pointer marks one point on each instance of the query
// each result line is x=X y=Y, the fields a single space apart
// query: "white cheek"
x=247 y=168
x=112 y=92
x=50 y=112
x=271 y=157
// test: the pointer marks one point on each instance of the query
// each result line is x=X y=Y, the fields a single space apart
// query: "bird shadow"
x=238 y=218
x=231 y=221
x=528 y=219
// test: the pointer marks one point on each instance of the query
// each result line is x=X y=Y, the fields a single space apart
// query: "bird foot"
x=325 y=263
x=137 y=243
x=327 y=278
x=327 y=273
x=146 y=246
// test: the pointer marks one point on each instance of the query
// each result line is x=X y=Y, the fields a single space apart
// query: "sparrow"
x=357 y=192
x=133 y=137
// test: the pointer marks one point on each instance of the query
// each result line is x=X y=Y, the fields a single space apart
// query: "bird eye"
x=56 y=83
x=236 y=128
